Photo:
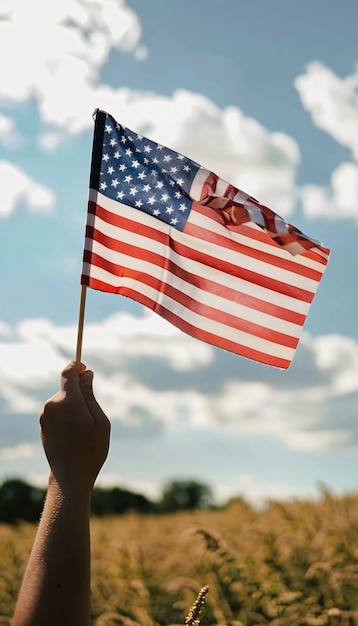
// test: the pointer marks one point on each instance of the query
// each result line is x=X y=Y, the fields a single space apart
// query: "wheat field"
x=290 y=564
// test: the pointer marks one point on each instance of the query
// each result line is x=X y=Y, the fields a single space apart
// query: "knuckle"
x=50 y=408
x=46 y=411
x=42 y=418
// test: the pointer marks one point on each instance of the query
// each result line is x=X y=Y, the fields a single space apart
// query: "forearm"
x=75 y=435
x=56 y=586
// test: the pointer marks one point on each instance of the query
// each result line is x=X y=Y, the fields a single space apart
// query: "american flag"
x=201 y=253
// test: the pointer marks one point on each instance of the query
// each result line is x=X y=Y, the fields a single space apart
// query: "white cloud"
x=136 y=405
x=236 y=147
x=150 y=489
x=20 y=451
x=338 y=202
x=66 y=49
x=69 y=45
x=257 y=491
x=38 y=480
x=50 y=140
x=9 y=136
x=305 y=417
x=5 y=329
x=31 y=358
x=64 y=37
x=332 y=102
x=121 y=337
x=16 y=186
x=141 y=53
x=27 y=365
x=318 y=440
x=149 y=377
x=339 y=355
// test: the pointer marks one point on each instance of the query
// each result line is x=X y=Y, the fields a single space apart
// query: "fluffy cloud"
x=50 y=140
x=68 y=40
x=236 y=147
x=22 y=450
x=9 y=136
x=332 y=102
x=258 y=492
x=16 y=186
x=69 y=45
x=66 y=49
x=339 y=202
x=150 y=378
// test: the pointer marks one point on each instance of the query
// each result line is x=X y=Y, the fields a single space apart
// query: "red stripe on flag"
x=226 y=242
x=192 y=253
x=191 y=304
x=215 y=340
x=259 y=235
x=200 y=282
x=124 y=222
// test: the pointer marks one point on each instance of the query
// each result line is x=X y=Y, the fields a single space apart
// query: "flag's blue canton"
x=145 y=175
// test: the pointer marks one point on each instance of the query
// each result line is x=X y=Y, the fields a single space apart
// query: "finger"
x=86 y=388
x=70 y=377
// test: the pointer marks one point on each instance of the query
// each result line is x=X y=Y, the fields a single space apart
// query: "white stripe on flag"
x=221 y=187
x=198 y=183
x=202 y=221
x=211 y=273
x=218 y=302
x=191 y=317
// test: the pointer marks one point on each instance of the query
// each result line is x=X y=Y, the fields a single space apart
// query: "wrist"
x=69 y=491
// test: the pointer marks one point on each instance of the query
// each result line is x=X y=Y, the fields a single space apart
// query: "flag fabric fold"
x=203 y=254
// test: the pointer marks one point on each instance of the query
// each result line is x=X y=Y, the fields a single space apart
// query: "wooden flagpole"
x=81 y=317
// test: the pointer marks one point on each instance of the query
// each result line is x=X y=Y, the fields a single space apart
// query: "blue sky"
x=266 y=95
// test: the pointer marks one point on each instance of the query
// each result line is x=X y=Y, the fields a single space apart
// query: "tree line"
x=20 y=500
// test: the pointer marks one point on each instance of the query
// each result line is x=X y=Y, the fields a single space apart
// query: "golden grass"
x=292 y=564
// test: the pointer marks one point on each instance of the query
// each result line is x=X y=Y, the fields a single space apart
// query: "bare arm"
x=75 y=435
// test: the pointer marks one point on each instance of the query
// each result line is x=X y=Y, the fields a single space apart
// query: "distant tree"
x=20 y=501
x=185 y=495
x=117 y=500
